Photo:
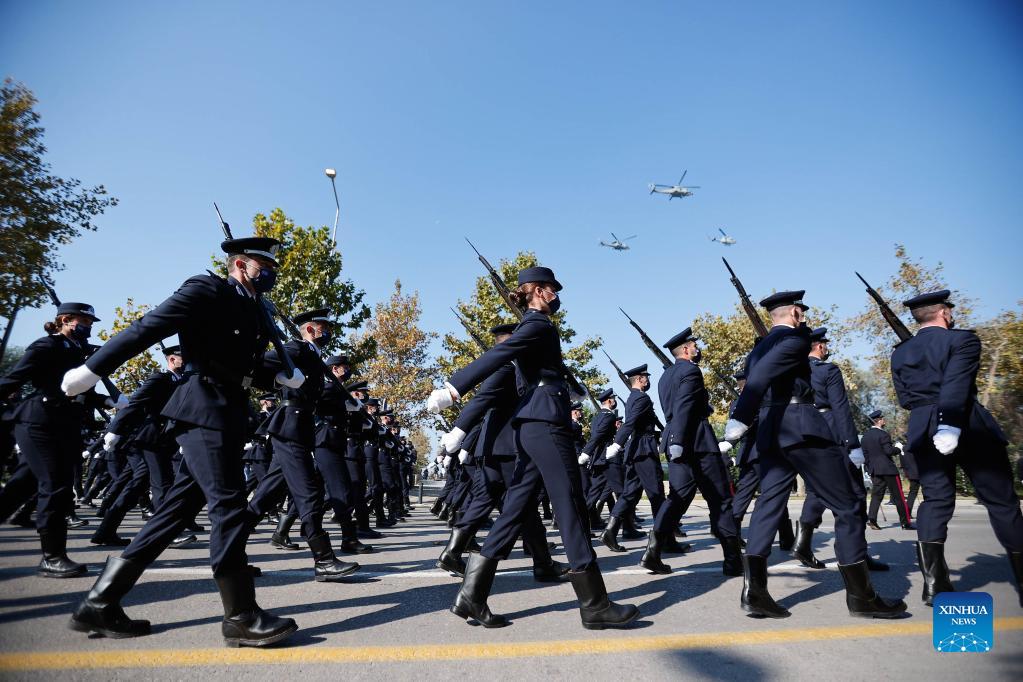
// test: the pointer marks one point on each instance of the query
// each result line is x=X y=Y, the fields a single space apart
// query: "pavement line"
x=177 y=658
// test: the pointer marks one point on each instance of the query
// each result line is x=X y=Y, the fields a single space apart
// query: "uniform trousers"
x=292 y=472
x=706 y=472
x=643 y=473
x=48 y=451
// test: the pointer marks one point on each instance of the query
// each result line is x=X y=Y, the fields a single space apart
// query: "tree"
x=309 y=277
x=39 y=211
x=1000 y=379
x=132 y=373
x=485 y=309
x=401 y=370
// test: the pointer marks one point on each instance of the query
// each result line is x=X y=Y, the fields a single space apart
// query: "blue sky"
x=821 y=134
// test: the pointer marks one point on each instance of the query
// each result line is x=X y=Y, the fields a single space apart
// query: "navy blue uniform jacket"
x=686 y=405
x=602 y=432
x=142 y=418
x=493 y=406
x=829 y=395
x=879 y=451
x=637 y=434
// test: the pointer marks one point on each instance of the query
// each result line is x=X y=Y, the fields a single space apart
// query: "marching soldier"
x=223 y=332
x=258 y=451
x=879 y=453
x=909 y=468
x=793 y=438
x=935 y=376
x=594 y=453
x=580 y=441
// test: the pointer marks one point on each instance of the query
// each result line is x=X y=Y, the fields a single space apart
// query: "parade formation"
x=257 y=428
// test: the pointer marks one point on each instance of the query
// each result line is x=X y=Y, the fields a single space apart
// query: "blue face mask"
x=264 y=281
x=81 y=333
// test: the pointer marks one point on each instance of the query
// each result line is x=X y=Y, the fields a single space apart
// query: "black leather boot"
x=651 y=559
x=597 y=610
x=755 y=599
x=381 y=517
x=732 y=563
x=545 y=568
x=786 y=538
x=183 y=540
x=23 y=517
x=100 y=612
x=669 y=545
x=861 y=598
x=445 y=512
x=327 y=567
x=451 y=558
x=803 y=551
x=610 y=535
x=471 y=602
x=1016 y=561
x=245 y=624
x=596 y=522
x=350 y=539
x=106 y=535
x=281 y=536
x=473 y=546
x=931 y=556
x=630 y=531
x=875 y=565
x=437 y=504
x=73 y=521
x=55 y=563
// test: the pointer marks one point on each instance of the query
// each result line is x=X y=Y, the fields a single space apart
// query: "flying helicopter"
x=675 y=191
x=724 y=239
x=618 y=244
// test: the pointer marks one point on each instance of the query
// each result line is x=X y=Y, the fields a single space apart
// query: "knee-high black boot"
x=245 y=624
x=100 y=612
x=545 y=568
x=451 y=558
x=861 y=598
x=651 y=559
x=931 y=556
x=596 y=609
x=803 y=550
x=755 y=597
x=471 y=602
x=610 y=535
x=327 y=567
x=280 y=538
x=55 y=562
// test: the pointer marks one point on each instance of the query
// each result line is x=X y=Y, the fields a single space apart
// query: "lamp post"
x=331 y=173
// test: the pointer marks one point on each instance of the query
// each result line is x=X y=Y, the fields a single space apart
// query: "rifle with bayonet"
x=661 y=356
x=747 y=305
x=628 y=384
x=889 y=315
x=502 y=289
x=470 y=331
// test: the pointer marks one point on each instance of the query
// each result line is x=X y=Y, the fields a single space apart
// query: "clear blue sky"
x=821 y=133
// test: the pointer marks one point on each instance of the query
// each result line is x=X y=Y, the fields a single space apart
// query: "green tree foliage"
x=309 y=277
x=1001 y=372
x=401 y=370
x=132 y=373
x=485 y=309
x=39 y=211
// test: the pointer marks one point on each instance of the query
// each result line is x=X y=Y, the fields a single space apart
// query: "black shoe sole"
x=335 y=577
x=807 y=562
x=611 y=626
x=103 y=632
x=762 y=613
x=471 y=619
x=267 y=641
x=883 y=615
x=659 y=570
x=450 y=569
x=61 y=576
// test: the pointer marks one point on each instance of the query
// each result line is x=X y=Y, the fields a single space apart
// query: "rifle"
x=112 y=390
x=574 y=384
x=661 y=356
x=472 y=333
x=889 y=315
x=265 y=313
x=628 y=384
x=751 y=312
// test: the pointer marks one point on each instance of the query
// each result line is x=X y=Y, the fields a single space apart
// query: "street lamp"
x=331 y=173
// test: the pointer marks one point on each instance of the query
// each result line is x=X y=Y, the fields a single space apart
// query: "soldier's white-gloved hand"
x=674 y=452
x=462 y=456
x=442 y=398
x=295 y=381
x=898 y=444
x=946 y=439
x=248 y=446
x=724 y=446
x=856 y=456
x=109 y=441
x=353 y=405
x=734 y=463
x=446 y=462
x=86 y=454
x=78 y=380
x=452 y=440
x=584 y=459
x=734 y=430
x=612 y=450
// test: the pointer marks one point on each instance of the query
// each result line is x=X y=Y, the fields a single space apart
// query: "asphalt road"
x=391 y=618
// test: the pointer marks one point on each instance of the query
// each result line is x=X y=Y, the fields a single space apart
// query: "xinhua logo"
x=964 y=622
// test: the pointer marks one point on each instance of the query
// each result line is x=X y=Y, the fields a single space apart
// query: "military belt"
x=794 y=400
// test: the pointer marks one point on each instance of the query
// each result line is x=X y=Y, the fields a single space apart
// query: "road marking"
x=178 y=658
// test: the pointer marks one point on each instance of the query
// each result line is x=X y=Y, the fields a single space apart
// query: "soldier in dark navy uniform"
x=259 y=451
x=792 y=438
x=912 y=474
x=361 y=427
x=832 y=402
x=292 y=430
x=636 y=440
x=884 y=475
x=935 y=376
x=602 y=434
x=48 y=430
x=223 y=332
x=580 y=441
x=694 y=458
x=545 y=454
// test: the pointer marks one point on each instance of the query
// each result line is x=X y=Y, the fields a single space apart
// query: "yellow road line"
x=166 y=658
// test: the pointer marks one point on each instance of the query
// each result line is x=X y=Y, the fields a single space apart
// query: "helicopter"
x=618 y=244
x=724 y=239
x=675 y=191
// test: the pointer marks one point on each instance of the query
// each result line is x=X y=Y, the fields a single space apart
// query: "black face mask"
x=697 y=356
x=323 y=340
x=554 y=305
x=264 y=281
x=81 y=333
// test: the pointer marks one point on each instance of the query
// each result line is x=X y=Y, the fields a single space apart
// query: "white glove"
x=441 y=398
x=109 y=441
x=584 y=459
x=734 y=463
x=612 y=450
x=353 y=405
x=946 y=439
x=446 y=462
x=452 y=440
x=78 y=380
x=856 y=456
x=898 y=444
x=724 y=446
x=734 y=430
x=295 y=381
x=86 y=454
x=462 y=456
x=119 y=404
x=248 y=446
x=674 y=452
